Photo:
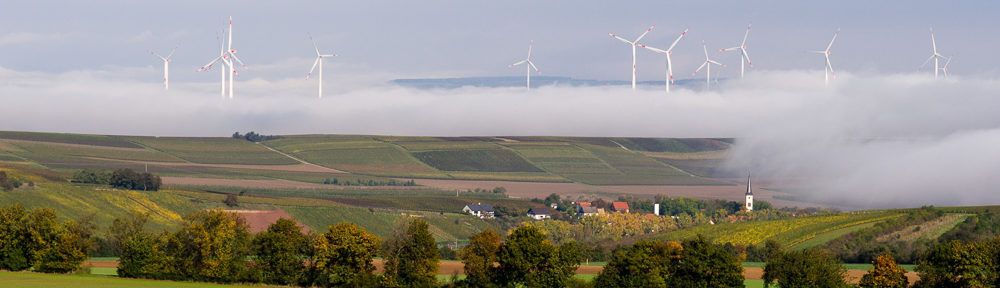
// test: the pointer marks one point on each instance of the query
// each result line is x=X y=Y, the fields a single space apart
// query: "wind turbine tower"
x=826 y=53
x=227 y=57
x=670 y=67
x=744 y=57
x=530 y=65
x=166 y=67
x=707 y=65
x=936 y=56
x=319 y=61
x=633 y=44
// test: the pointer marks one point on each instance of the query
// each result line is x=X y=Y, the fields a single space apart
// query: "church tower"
x=749 y=195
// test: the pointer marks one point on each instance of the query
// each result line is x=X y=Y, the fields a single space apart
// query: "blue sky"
x=479 y=38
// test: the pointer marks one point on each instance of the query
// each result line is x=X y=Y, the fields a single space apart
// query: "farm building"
x=539 y=213
x=587 y=211
x=479 y=209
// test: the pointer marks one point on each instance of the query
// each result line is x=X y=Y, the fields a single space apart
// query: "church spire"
x=748 y=184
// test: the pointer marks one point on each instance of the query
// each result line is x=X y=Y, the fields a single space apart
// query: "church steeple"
x=749 y=195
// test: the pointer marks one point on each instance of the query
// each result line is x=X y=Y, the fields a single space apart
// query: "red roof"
x=583 y=204
x=619 y=206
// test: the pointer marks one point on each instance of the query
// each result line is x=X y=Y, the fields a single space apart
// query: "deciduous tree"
x=412 y=256
x=885 y=274
x=344 y=256
x=479 y=257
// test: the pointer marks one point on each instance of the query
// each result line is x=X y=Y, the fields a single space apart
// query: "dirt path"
x=299 y=160
x=309 y=168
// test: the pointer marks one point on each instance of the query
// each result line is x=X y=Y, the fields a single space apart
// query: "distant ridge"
x=518 y=81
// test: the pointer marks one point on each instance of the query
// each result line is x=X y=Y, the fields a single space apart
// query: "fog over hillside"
x=866 y=141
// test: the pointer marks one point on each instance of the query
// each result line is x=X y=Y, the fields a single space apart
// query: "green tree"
x=70 y=248
x=885 y=274
x=479 y=257
x=412 y=255
x=211 y=245
x=343 y=256
x=703 y=264
x=804 y=268
x=959 y=264
x=528 y=258
x=279 y=252
x=644 y=264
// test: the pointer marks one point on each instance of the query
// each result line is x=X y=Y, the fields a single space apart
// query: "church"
x=749 y=196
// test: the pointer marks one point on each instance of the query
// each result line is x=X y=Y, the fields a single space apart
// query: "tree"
x=804 y=268
x=344 y=256
x=70 y=248
x=959 y=264
x=92 y=176
x=279 y=253
x=211 y=245
x=412 y=255
x=128 y=179
x=644 y=264
x=231 y=200
x=479 y=257
x=703 y=264
x=528 y=258
x=885 y=274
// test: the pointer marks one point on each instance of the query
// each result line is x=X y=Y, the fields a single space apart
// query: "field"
x=479 y=160
x=790 y=232
x=39 y=280
x=214 y=150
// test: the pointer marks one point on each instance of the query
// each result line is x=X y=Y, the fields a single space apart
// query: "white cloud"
x=141 y=37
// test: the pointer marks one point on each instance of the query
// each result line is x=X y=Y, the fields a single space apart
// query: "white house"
x=479 y=209
x=538 y=213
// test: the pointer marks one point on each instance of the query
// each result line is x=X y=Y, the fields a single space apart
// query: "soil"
x=259 y=220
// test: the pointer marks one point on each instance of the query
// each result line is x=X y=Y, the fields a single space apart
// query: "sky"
x=881 y=135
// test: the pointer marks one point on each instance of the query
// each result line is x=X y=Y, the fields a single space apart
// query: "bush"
x=8 y=183
x=128 y=179
x=92 y=176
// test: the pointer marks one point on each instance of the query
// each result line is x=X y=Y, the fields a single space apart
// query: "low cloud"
x=20 y=38
x=869 y=140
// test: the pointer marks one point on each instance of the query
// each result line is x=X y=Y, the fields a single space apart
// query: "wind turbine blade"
x=933 y=44
x=644 y=34
x=705 y=48
x=533 y=66
x=729 y=49
x=314 y=44
x=209 y=65
x=157 y=55
x=747 y=57
x=658 y=50
x=329 y=55
x=744 y=43
x=238 y=60
x=716 y=63
x=678 y=39
x=622 y=39
x=925 y=63
x=699 y=68
x=530 y=43
x=171 y=52
x=828 y=65
x=518 y=63
x=315 y=63
x=818 y=52
x=834 y=39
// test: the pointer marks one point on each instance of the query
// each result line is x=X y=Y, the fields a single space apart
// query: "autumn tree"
x=343 y=256
x=34 y=239
x=479 y=257
x=70 y=248
x=211 y=245
x=279 y=253
x=139 y=251
x=885 y=274
x=412 y=255
x=527 y=258
x=644 y=264
x=959 y=264
x=804 y=268
x=703 y=264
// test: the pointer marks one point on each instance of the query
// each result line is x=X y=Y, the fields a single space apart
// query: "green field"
x=81 y=139
x=215 y=150
x=362 y=155
x=40 y=280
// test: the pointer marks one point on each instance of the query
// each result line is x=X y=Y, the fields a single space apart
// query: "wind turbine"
x=936 y=56
x=319 y=61
x=531 y=65
x=227 y=57
x=826 y=53
x=744 y=57
x=707 y=65
x=670 y=68
x=166 y=66
x=944 y=69
x=633 y=44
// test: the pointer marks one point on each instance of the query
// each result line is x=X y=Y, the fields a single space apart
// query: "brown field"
x=272 y=184
x=308 y=168
x=259 y=220
x=74 y=145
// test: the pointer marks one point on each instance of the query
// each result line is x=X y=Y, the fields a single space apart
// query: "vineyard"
x=789 y=232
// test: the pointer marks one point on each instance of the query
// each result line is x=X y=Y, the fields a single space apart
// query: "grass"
x=831 y=235
x=355 y=154
x=215 y=150
x=377 y=222
x=478 y=160
x=40 y=280
x=80 y=139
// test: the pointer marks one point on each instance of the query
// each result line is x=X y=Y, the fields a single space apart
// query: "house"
x=587 y=211
x=619 y=206
x=479 y=209
x=538 y=213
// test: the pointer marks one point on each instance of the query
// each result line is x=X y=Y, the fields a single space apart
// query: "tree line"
x=122 y=178
x=254 y=137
